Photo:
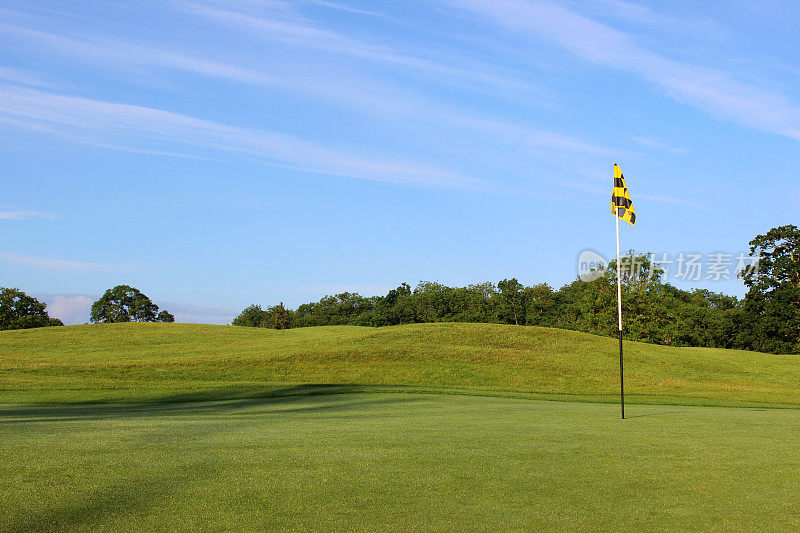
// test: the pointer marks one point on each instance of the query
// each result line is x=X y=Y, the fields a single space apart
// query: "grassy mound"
x=166 y=362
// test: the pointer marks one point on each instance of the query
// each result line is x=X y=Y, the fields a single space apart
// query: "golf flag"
x=621 y=204
x=621 y=208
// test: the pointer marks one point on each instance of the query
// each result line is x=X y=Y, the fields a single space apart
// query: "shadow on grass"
x=82 y=513
x=314 y=397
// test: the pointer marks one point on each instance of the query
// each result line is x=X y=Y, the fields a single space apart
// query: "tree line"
x=766 y=319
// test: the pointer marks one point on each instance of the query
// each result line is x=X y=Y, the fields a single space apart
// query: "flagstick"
x=619 y=316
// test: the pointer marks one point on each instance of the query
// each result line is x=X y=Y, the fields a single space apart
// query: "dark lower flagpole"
x=621 y=385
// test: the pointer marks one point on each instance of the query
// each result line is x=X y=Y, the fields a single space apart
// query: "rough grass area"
x=405 y=462
x=168 y=362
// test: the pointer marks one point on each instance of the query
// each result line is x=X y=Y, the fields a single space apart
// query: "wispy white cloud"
x=629 y=10
x=119 y=54
x=26 y=215
x=25 y=77
x=660 y=145
x=110 y=124
x=287 y=27
x=526 y=136
x=147 y=63
x=54 y=264
x=670 y=24
x=276 y=23
x=343 y=87
x=138 y=129
x=342 y=7
x=711 y=90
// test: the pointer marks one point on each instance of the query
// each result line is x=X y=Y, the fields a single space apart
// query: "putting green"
x=398 y=461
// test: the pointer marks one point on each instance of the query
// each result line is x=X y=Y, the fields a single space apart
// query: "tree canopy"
x=20 y=311
x=165 y=316
x=275 y=317
x=771 y=309
x=127 y=304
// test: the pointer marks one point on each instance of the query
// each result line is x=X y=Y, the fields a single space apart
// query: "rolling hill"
x=168 y=362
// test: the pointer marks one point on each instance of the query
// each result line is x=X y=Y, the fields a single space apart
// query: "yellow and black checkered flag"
x=621 y=204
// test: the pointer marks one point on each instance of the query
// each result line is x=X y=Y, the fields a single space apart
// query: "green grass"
x=187 y=427
x=376 y=462
x=167 y=362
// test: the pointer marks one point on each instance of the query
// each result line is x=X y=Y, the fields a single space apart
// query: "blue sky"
x=218 y=154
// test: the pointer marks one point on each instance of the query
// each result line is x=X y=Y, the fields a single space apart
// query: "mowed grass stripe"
x=163 y=362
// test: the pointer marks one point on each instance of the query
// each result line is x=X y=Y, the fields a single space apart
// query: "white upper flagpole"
x=619 y=280
x=619 y=317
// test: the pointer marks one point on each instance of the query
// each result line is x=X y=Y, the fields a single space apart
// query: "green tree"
x=123 y=304
x=777 y=255
x=540 y=305
x=278 y=317
x=165 y=316
x=252 y=316
x=588 y=306
x=771 y=315
x=275 y=317
x=636 y=270
x=20 y=311
x=397 y=307
x=512 y=301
